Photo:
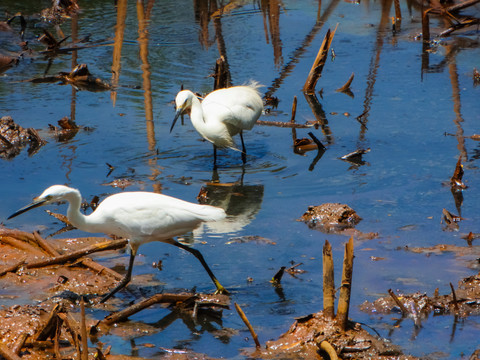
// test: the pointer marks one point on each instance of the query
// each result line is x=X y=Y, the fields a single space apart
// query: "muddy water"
x=413 y=107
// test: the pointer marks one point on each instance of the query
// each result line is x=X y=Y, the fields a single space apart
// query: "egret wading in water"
x=222 y=114
x=139 y=216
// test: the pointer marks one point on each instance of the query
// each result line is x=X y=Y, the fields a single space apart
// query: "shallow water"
x=399 y=192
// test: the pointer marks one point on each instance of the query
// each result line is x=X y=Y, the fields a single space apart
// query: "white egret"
x=139 y=216
x=222 y=114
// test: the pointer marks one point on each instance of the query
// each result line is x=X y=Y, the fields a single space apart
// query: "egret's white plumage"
x=141 y=217
x=222 y=114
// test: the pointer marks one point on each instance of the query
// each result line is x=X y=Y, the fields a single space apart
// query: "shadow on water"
x=413 y=104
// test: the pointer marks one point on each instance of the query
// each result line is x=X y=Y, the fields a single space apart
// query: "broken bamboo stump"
x=346 y=286
x=328 y=282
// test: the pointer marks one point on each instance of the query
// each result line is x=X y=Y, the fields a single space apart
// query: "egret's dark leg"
x=124 y=281
x=244 y=151
x=199 y=256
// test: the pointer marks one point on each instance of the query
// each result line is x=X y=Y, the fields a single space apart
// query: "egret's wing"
x=152 y=215
x=239 y=106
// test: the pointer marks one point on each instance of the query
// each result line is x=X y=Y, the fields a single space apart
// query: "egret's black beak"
x=33 y=205
x=177 y=114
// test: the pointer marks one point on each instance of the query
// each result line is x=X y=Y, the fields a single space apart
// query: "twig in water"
x=158 y=298
x=395 y=298
x=250 y=327
x=318 y=142
x=455 y=303
x=346 y=86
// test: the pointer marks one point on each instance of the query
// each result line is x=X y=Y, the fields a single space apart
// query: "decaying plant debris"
x=331 y=217
x=80 y=77
x=59 y=283
x=462 y=302
x=334 y=218
x=13 y=138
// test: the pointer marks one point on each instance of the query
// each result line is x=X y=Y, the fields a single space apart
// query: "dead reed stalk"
x=155 y=299
x=346 y=86
x=107 y=245
x=317 y=67
x=12 y=268
x=43 y=244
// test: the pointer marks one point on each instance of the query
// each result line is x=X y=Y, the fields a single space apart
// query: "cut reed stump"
x=328 y=282
x=345 y=289
x=318 y=64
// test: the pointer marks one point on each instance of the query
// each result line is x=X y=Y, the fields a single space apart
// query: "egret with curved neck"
x=139 y=216
x=222 y=114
